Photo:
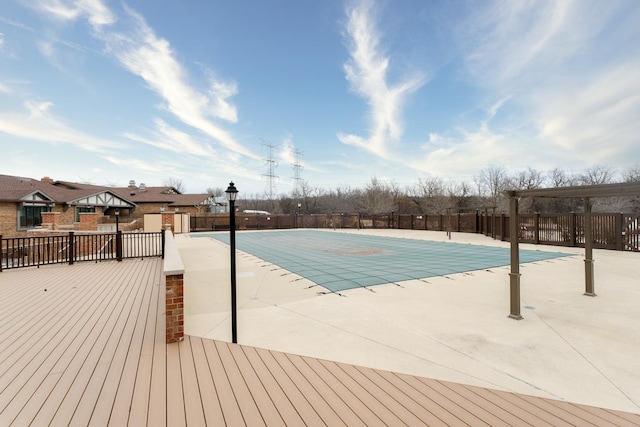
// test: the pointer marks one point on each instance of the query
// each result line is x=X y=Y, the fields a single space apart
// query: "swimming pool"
x=341 y=261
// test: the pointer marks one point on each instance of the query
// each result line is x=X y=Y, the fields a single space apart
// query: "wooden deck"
x=85 y=345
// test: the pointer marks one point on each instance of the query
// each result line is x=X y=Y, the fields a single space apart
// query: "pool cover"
x=341 y=261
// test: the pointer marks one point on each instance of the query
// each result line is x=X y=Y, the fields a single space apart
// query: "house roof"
x=15 y=189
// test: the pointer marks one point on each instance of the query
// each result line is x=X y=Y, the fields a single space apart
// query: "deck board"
x=279 y=397
x=228 y=403
x=60 y=342
x=142 y=388
x=208 y=393
x=157 y=408
x=92 y=351
x=105 y=377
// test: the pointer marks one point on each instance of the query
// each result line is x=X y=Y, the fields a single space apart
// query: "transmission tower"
x=297 y=168
x=271 y=165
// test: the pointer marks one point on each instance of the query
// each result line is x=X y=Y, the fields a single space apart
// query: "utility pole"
x=271 y=165
x=297 y=168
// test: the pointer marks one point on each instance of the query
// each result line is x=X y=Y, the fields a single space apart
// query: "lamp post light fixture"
x=117 y=221
x=232 y=193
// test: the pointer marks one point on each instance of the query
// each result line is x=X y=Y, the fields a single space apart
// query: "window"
x=30 y=216
x=83 y=209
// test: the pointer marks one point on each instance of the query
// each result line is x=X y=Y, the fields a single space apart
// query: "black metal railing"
x=17 y=252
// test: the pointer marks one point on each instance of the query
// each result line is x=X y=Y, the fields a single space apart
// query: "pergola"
x=586 y=192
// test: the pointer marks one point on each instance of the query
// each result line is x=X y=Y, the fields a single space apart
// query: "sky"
x=335 y=93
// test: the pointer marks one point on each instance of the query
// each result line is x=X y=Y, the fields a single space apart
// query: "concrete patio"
x=568 y=346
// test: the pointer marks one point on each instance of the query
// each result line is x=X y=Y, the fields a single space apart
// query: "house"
x=28 y=204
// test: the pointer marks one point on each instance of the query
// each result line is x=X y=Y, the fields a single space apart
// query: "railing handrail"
x=28 y=251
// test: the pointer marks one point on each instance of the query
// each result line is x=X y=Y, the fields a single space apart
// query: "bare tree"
x=460 y=196
x=215 y=191
x=528 y=179
x=494 y=180
x=429 y=195
x=598 y=174
x=560 y=178
x=376 y=198
x=175 y=183
x=338 y=200
x=632 y=174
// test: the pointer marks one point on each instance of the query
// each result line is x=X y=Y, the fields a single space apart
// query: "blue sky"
x=106 y=91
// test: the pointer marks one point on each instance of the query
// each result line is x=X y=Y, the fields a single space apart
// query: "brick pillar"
x=50 y=220
x=89 y=221
x=167 y=220
x=174 y=308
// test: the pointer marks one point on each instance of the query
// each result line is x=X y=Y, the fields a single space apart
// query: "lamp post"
x=118 y=237
x=232 y=192
x=299 y=206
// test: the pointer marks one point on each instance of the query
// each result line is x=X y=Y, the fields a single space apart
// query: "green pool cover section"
x=341 y=261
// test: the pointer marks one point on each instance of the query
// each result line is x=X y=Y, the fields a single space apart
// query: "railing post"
x=486 y=221
x=1 y=257
x=572 y=229
x=536 y=228
x=163 y=240
x=72 y=248
x=493 y=224
x=119 y=245
x=619 y=230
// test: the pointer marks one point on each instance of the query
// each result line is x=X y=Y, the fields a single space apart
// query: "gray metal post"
x=514 y=275
x=588 y=250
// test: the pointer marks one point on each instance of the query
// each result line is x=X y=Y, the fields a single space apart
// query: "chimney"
x=132 y=185
x=143 y=187
x=47 y=180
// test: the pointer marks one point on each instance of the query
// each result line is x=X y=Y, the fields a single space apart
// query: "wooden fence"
x=616 y=231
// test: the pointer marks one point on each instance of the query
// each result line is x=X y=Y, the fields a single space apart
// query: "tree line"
x=437 y=196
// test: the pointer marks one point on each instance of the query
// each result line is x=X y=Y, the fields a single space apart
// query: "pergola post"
x=514 y=276
x=588 y=250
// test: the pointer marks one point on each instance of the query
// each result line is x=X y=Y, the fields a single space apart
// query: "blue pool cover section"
x=341 y=261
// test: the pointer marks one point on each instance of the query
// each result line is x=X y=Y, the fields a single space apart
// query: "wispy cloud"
x=290 y=155
x=151 y=57
x=37 y=123
x=568 y=69
x=367 y=73
x=140 y=51
x=139 y=165
x=596 y=120
x=93 y=10
x=168 y=138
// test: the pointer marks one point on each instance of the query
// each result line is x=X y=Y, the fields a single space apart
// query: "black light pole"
x=232 y=192
x=299 y=206
x=118 y=237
